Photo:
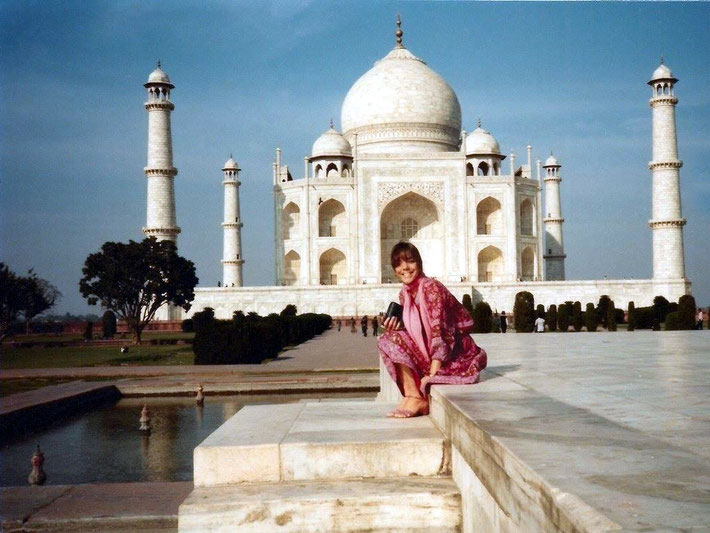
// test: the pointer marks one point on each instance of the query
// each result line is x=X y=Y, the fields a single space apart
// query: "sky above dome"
x=251 y=76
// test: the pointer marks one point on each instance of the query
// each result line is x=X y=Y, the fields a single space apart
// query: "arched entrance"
x=290 y=221
x=527 y=260
x=331 y=219
x=292 y=268
x=490 y=264
x=333 y=267
x=412 y=218
x=489 y=217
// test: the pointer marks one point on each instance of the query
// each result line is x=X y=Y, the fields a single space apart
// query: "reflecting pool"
x=105 y=445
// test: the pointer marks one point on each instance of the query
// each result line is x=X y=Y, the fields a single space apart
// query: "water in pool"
x=105 y=445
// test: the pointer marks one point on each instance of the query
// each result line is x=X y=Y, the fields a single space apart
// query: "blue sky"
x=251 y=76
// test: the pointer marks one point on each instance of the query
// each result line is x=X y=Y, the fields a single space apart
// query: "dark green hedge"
x=249 y=339
x=482 y=318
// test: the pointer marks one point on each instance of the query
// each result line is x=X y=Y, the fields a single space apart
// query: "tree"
x=632 y=317
x=577 y=318
x=289 y=310
x=540 y=311
x=686 y=312
x=563 y=317
x=482 y=318
x=109 y=324
x=661 y=307
x=524 y=312
x=591 y=316
x=611 y=316
x=467 y=303
x=9 y=299
x=134 y=280
x=552 y=317
x=36 y=296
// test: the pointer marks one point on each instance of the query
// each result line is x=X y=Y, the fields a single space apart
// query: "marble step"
x=395 y=505
x=328 y=440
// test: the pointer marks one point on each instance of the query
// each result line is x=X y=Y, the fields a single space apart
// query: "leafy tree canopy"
x=134 y=280
x=23 y=295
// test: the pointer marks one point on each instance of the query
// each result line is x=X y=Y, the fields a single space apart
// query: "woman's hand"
x=392 y=324
x=423 y=383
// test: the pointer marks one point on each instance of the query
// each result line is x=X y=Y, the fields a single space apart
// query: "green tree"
x=134 y=280
x=108 y=321
x=631 y=320
x=563 y=317
x=9 y=299
x=36 y=295
x=551 y=318
x=686 y=312
x=611 y=316
x=577 y=318
x=524 y=312
x=482 y=318
x=289 y=310
x=540 y=311
x=591 y=316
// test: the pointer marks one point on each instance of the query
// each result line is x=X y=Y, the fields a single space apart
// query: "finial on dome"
x=230 y=155
x=479 y=122
x=331 y=123
x=661 y=60
x=159 y=63
x=398 y=34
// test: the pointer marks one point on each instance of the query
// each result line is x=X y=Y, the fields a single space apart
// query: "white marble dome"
x=231 y=164
x=158 y=76
x=331 y=143
x=551 y=162
x=662 y=73
x=401 y=105
x=481 y=142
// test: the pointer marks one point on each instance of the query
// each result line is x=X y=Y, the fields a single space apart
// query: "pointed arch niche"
x=489 y=217
x=490 y=264
x=333 y=267
x=331 y=219
x=412 y=218
x=526 y=217
x=290 y=221
x=292 y=268
x=527 y=264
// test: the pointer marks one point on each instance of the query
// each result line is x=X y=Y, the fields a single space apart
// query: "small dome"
x=158 y=76
x=331 y=143
x=551 y=162
x=231 y=164
x=662 y=73
x=480 y=142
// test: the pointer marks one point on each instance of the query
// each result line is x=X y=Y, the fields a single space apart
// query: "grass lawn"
x=76 y=356
x=147 y=335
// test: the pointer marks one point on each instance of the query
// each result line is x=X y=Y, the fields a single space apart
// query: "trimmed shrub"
x=632 y=317
x=482 y=318
x=524 y=312
x=467 y=303
x=673 y=321
x=289 y=310
x=563 y=318
x=540 y=311
x=187 y=326
x=661 y=308
x=577 y=318
x=551 y=318
x=611 y=316
x=603 y=309
x=109 y=324
x=686 y=312
x=591 y=317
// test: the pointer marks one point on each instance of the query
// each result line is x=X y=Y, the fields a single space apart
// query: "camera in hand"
x=394 y=310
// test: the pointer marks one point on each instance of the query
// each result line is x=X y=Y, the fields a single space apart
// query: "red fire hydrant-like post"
x=37 y=476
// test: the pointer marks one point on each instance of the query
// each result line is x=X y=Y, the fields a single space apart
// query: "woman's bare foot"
x=412 y=406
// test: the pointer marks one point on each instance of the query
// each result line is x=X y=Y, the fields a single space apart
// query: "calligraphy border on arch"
x=386 y=192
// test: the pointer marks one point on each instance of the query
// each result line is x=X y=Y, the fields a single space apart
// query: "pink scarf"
x=417 y=317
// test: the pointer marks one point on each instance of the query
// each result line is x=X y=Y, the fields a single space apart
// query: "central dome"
x=400 y=105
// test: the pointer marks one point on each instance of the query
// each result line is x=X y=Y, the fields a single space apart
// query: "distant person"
x=699 y=325
x=353 y=329
x=503 y=322
x=375 y=325
x=539 y=325
x=340 y=323
x=363 y=325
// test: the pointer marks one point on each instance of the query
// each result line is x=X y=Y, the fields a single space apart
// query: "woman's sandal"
x=406 y=413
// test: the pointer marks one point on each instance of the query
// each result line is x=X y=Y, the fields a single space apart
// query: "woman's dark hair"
x=406 y=251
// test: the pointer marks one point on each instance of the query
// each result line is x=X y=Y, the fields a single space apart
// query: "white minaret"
x=232 y=257
x=554 y=245
x=161 y=220
x=666 y=220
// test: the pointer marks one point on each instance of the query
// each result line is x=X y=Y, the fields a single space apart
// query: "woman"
x=433 y=345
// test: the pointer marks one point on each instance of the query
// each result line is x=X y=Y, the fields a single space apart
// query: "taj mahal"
x=404 y=169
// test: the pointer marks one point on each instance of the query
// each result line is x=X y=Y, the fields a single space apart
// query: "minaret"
x=161 y=221
x=232 y=257
x=554 y=244
x=666 y=220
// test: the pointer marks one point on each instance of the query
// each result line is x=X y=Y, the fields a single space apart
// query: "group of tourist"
x=364 y=321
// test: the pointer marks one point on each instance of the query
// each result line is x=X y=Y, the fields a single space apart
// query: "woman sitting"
x=433 y=345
